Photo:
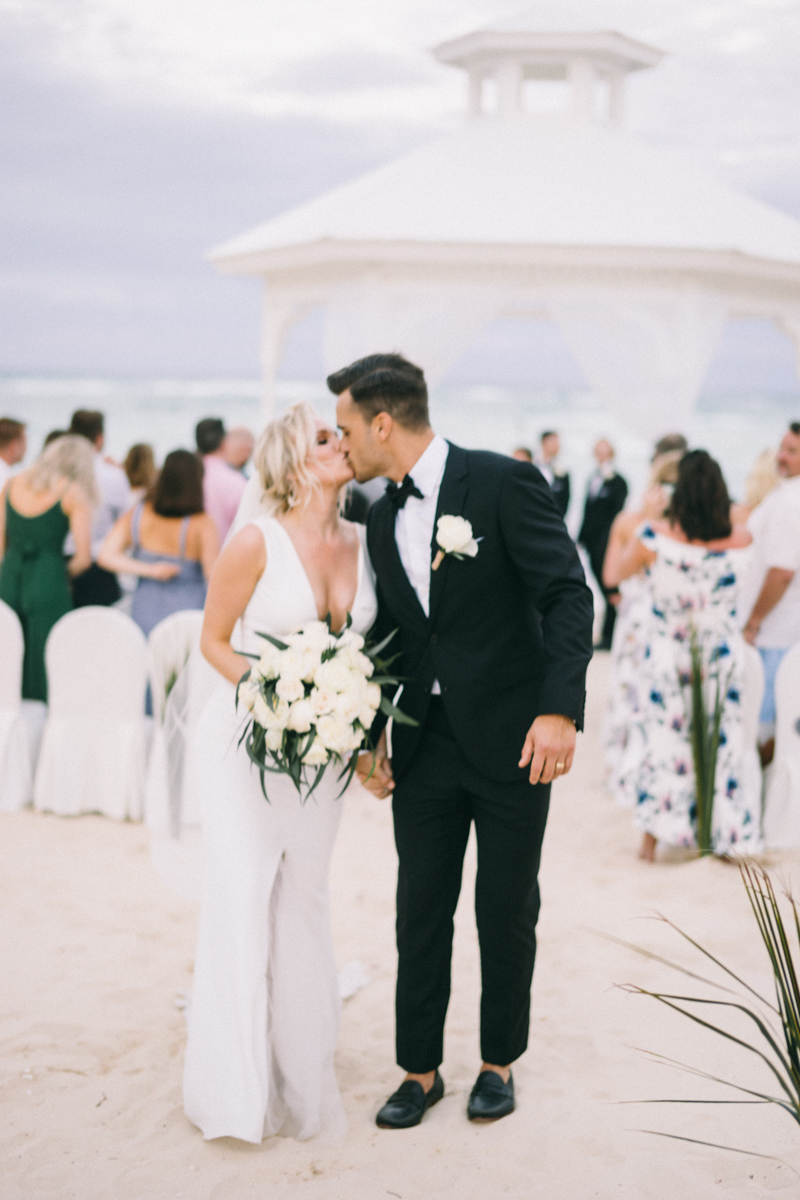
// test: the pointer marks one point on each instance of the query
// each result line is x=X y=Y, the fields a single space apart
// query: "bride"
x=265 y=1001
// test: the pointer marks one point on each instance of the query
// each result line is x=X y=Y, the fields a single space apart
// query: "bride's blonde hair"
x=281 y=458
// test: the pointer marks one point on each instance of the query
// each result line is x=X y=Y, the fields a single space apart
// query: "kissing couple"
x=494 y=635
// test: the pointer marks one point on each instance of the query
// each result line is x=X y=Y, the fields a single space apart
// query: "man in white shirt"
x=98 y=586
x=13 y=444
x=770 y=600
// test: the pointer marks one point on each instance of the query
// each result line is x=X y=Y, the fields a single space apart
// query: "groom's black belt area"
x=437 y=720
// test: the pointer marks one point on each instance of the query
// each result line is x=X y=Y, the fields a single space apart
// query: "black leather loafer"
x=490 y=1098
x=409 y=1104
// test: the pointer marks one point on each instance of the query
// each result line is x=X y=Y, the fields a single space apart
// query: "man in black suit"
x=605 y=497
x=556 y=477
x=494 y=640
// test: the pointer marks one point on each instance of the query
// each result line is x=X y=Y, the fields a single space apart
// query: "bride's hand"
x=375 y=771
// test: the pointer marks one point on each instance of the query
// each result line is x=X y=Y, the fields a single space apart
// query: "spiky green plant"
x=704 y=727
x=777 y=1028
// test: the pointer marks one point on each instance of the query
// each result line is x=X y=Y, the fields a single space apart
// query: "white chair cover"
x=94 y=746
x=782 y=805
x=180 y=681
x=751 y=776
x=16 y=774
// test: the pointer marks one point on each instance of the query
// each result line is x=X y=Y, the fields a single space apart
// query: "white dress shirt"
x=775 y=526
x=413 y=529
x=115 y=499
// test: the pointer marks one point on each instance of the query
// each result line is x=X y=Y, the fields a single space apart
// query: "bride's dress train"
x=265 y=999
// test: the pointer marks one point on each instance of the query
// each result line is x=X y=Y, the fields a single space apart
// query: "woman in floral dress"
x=693 y=560
x=621 y=743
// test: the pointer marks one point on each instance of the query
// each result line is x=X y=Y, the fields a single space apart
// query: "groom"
x=494 y=647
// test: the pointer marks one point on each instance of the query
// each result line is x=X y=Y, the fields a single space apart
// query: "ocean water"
x=164 y=412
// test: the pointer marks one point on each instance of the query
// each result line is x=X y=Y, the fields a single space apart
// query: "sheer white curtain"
x=645 y=352
x=431 y=325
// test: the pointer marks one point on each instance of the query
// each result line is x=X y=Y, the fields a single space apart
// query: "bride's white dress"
x=265 y=1003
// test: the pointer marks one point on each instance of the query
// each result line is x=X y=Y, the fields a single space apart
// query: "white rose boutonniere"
x=454 y=536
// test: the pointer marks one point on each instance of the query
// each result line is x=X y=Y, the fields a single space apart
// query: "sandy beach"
x=95 y=948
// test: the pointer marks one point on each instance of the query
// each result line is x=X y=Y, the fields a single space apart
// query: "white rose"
x=366 y=716
x=274 y=739
x=301 y=716
x=351 y=640
x=373 y=695
x=333 y=674
x=364 y=665
x=290 y=664
x=356 y=738
x=316 y=755
x=335 y=736
x=322 y=700
x=268 y=662
x=268 y=717
x=347 y=707
x=316 y=635
x=311 y=660
x=454 y=535
x=248 y=692
x=290 y=688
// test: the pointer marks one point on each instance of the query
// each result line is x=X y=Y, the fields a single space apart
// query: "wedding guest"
x=168 y=541
x=606 y=493
x=53 y=436
x=38 y=508
x=522 y=454
x=96 y=585
x=771 y=601
x=238 y=446
x=222 y=485
x=693 y=561
x=547 y=462
x=13 y=445
x=140 y=468
x=762 y=480
x=670 y=443
x=620 y=734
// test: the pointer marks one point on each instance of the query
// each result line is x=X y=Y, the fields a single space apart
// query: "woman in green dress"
x=38 y=508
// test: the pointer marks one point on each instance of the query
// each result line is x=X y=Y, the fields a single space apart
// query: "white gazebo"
x=542 y=206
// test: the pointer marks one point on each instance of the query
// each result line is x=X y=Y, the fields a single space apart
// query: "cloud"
x=351 y=71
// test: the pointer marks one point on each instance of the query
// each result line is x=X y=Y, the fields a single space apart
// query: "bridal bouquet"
x=312 y=698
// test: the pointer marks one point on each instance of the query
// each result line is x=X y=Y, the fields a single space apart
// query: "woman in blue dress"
x=168 y=541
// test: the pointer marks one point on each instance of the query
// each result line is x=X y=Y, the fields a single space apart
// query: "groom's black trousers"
x=434 y=803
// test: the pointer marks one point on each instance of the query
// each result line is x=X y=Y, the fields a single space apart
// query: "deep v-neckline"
x=304 y=572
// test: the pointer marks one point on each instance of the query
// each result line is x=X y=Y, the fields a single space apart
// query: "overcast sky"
x=137 y=134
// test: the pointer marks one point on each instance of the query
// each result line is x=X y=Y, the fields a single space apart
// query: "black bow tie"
x=398 y=494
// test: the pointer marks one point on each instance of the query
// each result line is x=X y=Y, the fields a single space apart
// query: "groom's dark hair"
x=385 y=383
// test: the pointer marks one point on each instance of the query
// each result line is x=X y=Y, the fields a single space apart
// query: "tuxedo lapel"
x=452 y=495
x=388 y=565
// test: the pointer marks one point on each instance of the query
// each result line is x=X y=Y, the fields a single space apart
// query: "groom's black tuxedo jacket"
x=509 y=634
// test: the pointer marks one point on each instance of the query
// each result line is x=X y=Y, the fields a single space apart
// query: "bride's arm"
x=233 y=579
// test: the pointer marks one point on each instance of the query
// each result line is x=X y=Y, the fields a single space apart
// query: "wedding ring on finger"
x=560 y=766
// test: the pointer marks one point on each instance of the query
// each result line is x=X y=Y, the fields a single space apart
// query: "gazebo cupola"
x=512 y=73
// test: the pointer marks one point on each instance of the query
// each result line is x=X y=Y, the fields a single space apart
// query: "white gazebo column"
x=789 y=323
x=280 y=311
x=616 y=99
x=509 y=85
x=581 y=78
x=474 y=87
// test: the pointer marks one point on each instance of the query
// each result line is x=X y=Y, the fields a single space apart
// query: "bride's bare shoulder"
x=246 y=548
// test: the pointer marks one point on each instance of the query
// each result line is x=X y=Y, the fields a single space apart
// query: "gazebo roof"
x=565 y=189
x=530 y=182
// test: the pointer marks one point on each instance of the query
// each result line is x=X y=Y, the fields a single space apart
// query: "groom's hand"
x=375 y=771
x=549 y=748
